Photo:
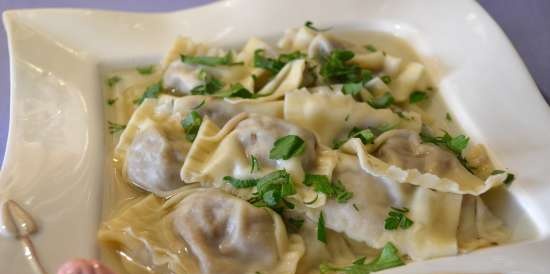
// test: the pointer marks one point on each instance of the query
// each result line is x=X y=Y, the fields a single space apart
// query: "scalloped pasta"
x=200 y=149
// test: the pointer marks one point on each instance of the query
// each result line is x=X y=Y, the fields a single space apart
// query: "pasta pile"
x=315 y=156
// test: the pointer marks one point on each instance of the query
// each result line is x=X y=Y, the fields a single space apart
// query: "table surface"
x=525 y=22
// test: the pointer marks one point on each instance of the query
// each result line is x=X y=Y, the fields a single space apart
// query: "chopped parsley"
x=388 y=258
x=254 y=164
x=454 y=144
x=111 y=81
x=236 y=90
x=309 y=25
x=366 y=136
x=274 y=65
x=115 y=128
x=321 y=230
x=271 y=189
x=371 y=48
x=226 y=60
x=383 y=101
x=346 y=118
x=287 y=147
x=152 y=91
x=417 y=96
x=335 y=190
x=352 y=88
x=355 y=207
x=336 y=69
x=199 y=105
x=509 y=176
x=448 y=117
x=386 y=79
x=191 y=124
x=397 y=219
x=112 y=101
x=145 y=70
x=210 y=86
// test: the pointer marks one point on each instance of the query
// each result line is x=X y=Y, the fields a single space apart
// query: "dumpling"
x=400 y=155
x=435 y=214
x=478 y=226
x=201 y=231
x=153 y=146
x=331 y=115
x=217 y=153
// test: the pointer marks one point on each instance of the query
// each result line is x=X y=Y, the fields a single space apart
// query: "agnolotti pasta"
x=317 y=155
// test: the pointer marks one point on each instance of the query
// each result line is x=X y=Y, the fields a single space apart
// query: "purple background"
x=526 y=22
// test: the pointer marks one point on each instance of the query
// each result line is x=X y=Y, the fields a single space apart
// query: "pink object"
x=83 y=266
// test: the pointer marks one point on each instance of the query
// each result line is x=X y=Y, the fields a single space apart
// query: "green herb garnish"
x=115 y=128
x=254 y=164
x=226 y=60
x=397 y=219
x=210 y=86
x=448 y=117
x=111 y=81
x=352 y=88
x=112 y=101
x=271 y=189
x=336 y=69
x=286 y=147
x=309 y=25
x=355 y=207
x=191 y=124
x=335 y=190
x=294 y=224
x=145 y=70
x=152 y=91
x=366 y=136
x=509 y=176
x=274 y=65
x=386 y=79
x=383 y=101
x=388 y=258
x=417 y=96
x=321 y=230
x=454 y=144
x=236 y=90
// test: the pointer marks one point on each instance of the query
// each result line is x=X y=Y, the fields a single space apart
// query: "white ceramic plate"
x=55 y=154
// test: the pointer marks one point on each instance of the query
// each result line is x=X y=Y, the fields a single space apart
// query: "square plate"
x=54 y=163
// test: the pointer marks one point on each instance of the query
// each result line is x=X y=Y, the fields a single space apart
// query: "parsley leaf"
x=336 y=69
x=309 y=25
x=210 y=61
x=254 y=164
x=448 y=117
x=145 y=70
x=355 y=207
x=236 y=90
x=388 y=258
x=211 y=84
x=509 y=177
x=321 y=230
x=397 y=219
x=274 y=65
x=191 y=123
x=287 y=147
x=271 y=189
x=114 y=127
x=386 y=79
x=417 y=96
x=352 y=88
x=111 y=81
x=321 y=183
x=152 y=91
x=366 y=136
x=454 y=144
x=383 y=101
x=112 y=101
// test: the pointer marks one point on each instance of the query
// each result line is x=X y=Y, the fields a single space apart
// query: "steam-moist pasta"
x=300 y=157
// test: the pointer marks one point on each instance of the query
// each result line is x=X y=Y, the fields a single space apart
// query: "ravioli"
x=314 y=155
